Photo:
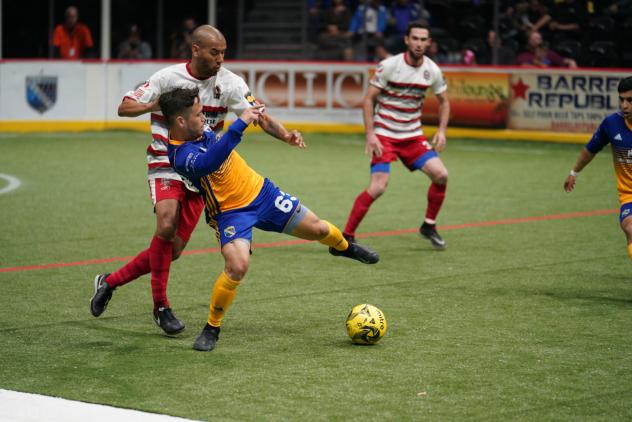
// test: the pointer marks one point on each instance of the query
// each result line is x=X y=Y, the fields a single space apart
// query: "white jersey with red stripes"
x=218 y=94
x=402 y=91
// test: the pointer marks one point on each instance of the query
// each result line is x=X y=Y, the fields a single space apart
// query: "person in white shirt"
x=177 y=204
x=392 y=112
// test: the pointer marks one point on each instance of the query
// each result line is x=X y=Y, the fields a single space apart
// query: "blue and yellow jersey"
x=617 y=132
x=223 y=178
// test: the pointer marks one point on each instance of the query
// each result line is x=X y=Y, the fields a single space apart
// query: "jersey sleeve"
x=240 y=97
x=148 y=91
x=380 y=78
x=194 y=163
x=439 y=84
x=599 y=139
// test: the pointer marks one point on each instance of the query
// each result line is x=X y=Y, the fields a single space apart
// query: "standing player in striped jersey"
x=616 y=130
x=178 y=207
x=392 y=121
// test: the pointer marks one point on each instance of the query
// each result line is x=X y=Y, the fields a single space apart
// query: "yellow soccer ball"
x=366 y=324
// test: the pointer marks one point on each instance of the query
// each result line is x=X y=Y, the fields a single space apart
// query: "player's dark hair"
x=418 y=24
x=625 y=84
x=174 y=103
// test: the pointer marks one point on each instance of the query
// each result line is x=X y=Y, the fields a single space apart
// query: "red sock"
x=160 y=251
x=130 y=271
x=359 y=210
x=436 y=195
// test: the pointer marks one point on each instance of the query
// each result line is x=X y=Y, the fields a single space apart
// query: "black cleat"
x=429 y=231
x=207 y=339
x=102 y=295
x=165 y=319
x=358 y=252
x=350 y=238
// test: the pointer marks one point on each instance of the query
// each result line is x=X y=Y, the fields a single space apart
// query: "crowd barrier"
x=497 y=102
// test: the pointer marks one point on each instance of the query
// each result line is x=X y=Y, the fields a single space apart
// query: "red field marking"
x=301 y=241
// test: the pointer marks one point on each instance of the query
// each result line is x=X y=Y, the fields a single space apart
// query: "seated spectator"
x=535 y=17
x=374 y=26
x=72 y=39
x=181 y=40
x=134 y=47
x=334 y=45
x=567 y=19
x=506 y=56
x=539 y=55
x=402 y=13
x=338 y=14
x=619 y=9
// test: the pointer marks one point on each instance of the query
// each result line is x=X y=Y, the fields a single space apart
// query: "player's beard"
x=415 y=55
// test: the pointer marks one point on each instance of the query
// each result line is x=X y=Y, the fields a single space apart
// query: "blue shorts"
x=272 y=210
x=625 y=211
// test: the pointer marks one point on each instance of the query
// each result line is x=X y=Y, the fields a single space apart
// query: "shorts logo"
x=230 y=231
x=165 y=184
x=625 y=212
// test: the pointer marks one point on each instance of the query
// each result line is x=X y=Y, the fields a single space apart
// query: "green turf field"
x=523 y=321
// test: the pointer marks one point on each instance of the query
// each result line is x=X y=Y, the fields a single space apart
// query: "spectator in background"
x=334 y=44
x=567 y=19
x=619 y=9
x=369 y=17
x=338 y=14
x=134 y=47
x=402 y=13
x=181 y=40
x=72 y=39
x=506 y=56
x=539 y=55
x=535 y=17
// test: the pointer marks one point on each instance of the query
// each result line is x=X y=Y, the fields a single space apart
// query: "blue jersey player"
x=237 y=198
x=616 y=130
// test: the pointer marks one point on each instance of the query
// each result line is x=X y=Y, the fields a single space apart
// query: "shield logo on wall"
x=41 y=92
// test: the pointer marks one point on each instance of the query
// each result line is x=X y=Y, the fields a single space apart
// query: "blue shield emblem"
x=41 y=92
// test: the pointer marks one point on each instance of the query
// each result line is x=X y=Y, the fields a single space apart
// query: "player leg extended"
x=177 y=212
x=625 y=220
x=236 y=255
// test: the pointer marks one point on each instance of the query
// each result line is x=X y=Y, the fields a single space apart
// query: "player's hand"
x=439 y=141
x=373 y=146
x=252 y=114
x=263 y=110
x=295 y=139
x=569 y=183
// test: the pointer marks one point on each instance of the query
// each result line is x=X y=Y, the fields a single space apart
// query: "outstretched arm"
x=584 y=158
x=195 y=162
x=274 y=128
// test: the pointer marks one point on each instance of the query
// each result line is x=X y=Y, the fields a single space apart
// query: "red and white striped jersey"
x=402 y=91
x=218 y=94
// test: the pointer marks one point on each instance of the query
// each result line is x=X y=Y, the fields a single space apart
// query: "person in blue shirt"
x=237 y=198
x=616 y=130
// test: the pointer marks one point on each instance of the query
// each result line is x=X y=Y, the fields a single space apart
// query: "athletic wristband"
x=574 y=173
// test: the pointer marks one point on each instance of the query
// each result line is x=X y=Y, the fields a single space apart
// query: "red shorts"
x=413 y=152
x=191 y=203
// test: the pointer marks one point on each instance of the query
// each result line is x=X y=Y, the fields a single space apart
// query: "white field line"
x=27 y=407
x=13 y=183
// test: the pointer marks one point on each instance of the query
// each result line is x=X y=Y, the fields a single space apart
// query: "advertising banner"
x=562 y=100
x=477 y=99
